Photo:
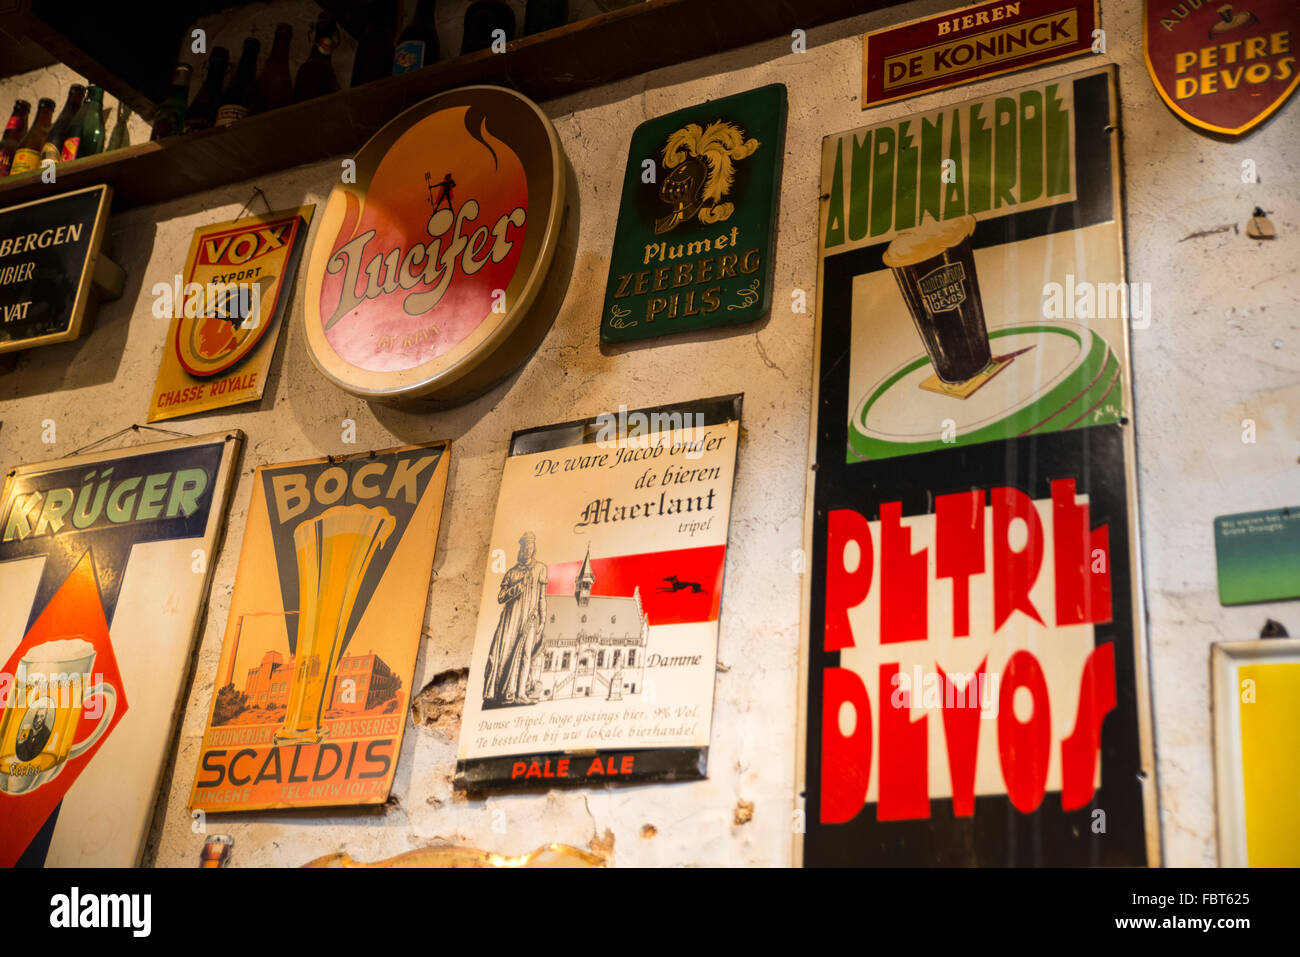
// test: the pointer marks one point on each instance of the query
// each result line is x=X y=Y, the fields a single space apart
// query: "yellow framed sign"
x=226 y=311
x=1256 y=687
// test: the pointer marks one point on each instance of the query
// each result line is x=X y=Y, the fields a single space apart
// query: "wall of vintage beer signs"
x=1215 y=397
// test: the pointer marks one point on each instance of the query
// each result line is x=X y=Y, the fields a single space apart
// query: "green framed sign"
x=697 y=224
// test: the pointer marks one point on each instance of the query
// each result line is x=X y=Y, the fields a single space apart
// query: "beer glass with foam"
x=39 y=726
x=334 y=550
x=935 y=270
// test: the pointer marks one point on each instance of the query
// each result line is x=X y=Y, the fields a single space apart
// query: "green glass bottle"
x=85 y=136
x=173 y=111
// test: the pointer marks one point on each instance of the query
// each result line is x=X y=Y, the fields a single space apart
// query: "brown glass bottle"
x=275 y=85
x=202 y=114
x=374 y=59
x=483 y=18
x=417 y=45
x=28 y=155
x=238 y=98
x=15 y=130
x=53 y=146
x=316 y=75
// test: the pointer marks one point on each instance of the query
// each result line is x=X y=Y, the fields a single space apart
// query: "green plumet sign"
x=697 y=225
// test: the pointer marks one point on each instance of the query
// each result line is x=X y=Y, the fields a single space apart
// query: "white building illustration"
x=594 y=646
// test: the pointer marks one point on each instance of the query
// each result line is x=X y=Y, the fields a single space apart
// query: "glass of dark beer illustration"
x=935 y=270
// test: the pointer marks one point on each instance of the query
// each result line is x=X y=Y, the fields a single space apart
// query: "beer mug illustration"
x=935 y=270
x=37 y=731
x=334 y=551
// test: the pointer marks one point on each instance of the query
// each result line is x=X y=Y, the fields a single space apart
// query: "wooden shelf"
x=571 y=58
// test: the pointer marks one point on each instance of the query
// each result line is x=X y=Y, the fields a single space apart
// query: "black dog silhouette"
x=676 y=586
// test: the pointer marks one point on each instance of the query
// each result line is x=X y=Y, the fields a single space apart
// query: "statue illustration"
x=514 y=654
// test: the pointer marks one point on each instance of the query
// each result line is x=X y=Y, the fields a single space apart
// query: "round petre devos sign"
x=425 y=271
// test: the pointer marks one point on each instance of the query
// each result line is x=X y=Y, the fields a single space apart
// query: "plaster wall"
x=1220 y=350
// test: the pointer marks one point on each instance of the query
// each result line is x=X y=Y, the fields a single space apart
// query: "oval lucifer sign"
x=424 y=273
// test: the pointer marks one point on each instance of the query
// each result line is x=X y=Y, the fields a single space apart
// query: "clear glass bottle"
x=121 y=136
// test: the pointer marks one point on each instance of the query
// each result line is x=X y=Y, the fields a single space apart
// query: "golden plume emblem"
x=702 y=164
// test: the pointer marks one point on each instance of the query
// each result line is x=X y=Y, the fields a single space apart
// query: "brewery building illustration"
x=372 y=682
x=593 y=645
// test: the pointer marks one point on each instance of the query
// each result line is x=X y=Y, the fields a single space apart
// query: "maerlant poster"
x=226 y=311
x=315 y=673
x=975 y=685
x=596 y=650
x=105 y=562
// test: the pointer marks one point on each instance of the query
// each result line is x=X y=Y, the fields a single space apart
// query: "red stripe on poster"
x=678 y=586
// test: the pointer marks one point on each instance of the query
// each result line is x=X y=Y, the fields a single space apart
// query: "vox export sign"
x=424 y=276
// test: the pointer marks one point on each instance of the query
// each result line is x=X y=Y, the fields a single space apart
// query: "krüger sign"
x=425 y=272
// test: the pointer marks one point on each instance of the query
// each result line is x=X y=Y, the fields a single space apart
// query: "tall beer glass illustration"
x=334 y=550
x=37 y=732
x=935 y=270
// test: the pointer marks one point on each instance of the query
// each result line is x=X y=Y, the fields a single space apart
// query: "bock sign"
x=316 y=667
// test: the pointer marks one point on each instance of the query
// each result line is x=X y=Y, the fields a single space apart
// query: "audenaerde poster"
x=596 y=649
x=975 y=683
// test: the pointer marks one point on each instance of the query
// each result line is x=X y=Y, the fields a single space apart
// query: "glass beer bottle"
x=53 y=146
x=172 y=112
x=417 y=46
x=543 y=15
x=85 y=137
x=483 y=18
x=202 y=114
x=238 y=99
x=275 y=85
x=374 y=58
x=28 y=155
x=121 y=136
x=15 y=130
x=316 y=75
